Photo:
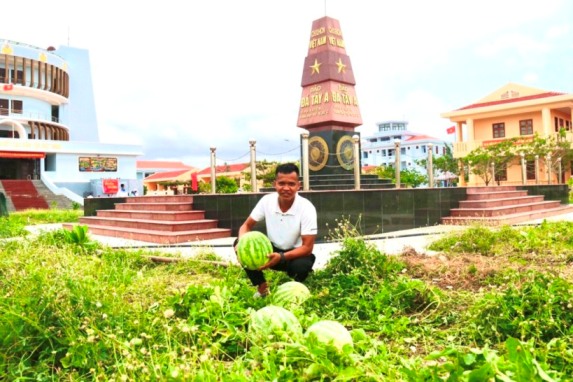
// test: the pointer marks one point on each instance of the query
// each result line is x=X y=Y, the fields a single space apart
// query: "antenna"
x=68 y=35
x=325 y=7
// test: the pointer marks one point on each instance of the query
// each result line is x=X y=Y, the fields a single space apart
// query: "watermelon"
x=291 y=293
x=253 y=250
x=330 y=332
x=274 y=323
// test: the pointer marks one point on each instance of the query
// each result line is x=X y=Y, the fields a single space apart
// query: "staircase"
x=503 y=205
x=22 y=195
x=53 y=200
x=155 y=219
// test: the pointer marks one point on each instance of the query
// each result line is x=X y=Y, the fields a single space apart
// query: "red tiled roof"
x=510 y=100
x=419 y=138
x=238 y=167
x=141 y=164
x=167 y=174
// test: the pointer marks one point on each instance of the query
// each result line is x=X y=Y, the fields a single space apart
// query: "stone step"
x=160 y=199
x=156 y=206
x=485 y=203
x=503 y=210
x=152 y=215
x=489 y=189
x=496 y=195
x=175 y=226
x=508 y=219
x=158 y=237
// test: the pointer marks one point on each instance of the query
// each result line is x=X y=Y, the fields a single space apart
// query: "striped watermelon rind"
x=253 y=250
x=291 y=293
x=274 y=323
x=330 y=332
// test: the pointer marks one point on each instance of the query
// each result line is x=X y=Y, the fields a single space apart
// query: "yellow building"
x=512 y=111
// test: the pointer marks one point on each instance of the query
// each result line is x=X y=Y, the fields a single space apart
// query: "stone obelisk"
x=328 y=105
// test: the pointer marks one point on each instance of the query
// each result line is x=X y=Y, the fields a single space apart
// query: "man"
x=122 y=191
x=291 y=224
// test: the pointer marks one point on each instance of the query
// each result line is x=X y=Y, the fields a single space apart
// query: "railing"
x=33 y=115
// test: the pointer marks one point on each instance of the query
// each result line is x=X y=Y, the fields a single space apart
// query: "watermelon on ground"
x=291 y=293
x=274 y=323
x=253 y=250
x=330 y=332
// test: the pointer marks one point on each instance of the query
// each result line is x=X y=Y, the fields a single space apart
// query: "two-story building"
x=379 y=149
x=513 y=111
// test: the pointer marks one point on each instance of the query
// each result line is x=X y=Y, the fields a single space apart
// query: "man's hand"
x=274 y=259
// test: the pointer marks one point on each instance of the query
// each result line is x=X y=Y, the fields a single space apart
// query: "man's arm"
x=247 y=226
x=304 y=250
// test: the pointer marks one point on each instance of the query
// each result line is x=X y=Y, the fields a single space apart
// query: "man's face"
x=287 y=185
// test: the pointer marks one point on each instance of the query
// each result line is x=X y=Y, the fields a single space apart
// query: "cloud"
x=179 y=82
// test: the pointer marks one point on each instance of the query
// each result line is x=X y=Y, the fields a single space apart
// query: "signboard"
x=110 y=186
x=98 y=164
x=21 y=155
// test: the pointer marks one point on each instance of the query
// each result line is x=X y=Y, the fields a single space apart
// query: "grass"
x=494 y=305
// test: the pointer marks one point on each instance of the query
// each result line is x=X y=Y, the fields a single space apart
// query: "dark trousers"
x=297 y=269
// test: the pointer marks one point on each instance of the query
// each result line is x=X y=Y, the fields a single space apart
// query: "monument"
x=328 y=105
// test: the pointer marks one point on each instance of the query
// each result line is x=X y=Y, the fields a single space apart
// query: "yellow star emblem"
x=316 y=67
x=341 y=66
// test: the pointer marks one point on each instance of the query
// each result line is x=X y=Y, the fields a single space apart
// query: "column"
x=304 y=164
x=213 y=178
x=356 y=147
x=252 y=144
x=430 y=165
x=397 y=161
x=546 y=121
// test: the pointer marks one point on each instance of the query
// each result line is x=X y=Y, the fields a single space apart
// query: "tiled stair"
x=495 y=206
x=22 y=195
x=155 y=219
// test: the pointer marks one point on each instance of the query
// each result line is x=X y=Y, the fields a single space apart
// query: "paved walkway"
x=390 y=243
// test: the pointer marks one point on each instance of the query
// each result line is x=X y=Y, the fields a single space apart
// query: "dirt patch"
x=473 y=272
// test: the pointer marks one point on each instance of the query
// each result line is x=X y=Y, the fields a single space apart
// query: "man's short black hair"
x=287 y=168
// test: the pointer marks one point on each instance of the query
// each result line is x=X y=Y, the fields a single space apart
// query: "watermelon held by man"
x=253 y=250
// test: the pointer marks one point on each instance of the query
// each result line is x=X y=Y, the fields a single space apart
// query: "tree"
x=555 y=146
x=226 y=185
x=443 y=164
x=407 y=177
x=499 y=155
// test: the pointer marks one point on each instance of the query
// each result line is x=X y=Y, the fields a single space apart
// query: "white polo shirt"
x=284 y=229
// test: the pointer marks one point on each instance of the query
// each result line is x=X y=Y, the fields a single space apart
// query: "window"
x=4 y=107
x=365 y=155
x=530 y=169
x=498 y=130
x=17 y=106
x=423 y=148
x=526 y=127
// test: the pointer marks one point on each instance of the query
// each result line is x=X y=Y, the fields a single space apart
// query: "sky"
x=181 y=77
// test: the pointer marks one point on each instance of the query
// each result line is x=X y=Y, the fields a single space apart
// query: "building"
x=177 y=181
x=512 y=111
x=379 y=149
x=146 y=168
x=48 y=124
